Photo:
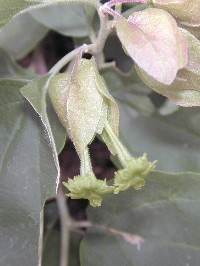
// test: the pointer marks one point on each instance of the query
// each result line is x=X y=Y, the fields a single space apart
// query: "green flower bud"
x=133 y=174
x=88 y=187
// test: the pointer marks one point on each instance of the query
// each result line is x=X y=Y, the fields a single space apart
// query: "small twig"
x=64 y=218
x=132 y=239
x=115 y=2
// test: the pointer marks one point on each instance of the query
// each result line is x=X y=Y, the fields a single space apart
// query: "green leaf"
x=176 y=148
x=158 y=225
x=185 y=90
x=9 y=69
x=154 y=42
x=52 y=239
x=11 y=8
x=52 y=249
x=186 y=11
x=173 y=140
x=130 y=90
x=24 y=31
x=27 y=177
x=36 y=93
x=69 y=20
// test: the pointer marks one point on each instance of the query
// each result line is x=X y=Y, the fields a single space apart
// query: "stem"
x=114 y=2
x=64 y=217
x=118 y=8
x=64 y=61
x=122 y=152
x=86 y=166
x=107 y=9
x=95 y=48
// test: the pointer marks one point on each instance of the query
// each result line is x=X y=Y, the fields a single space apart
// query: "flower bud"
x=87 y=187
x=133 y=174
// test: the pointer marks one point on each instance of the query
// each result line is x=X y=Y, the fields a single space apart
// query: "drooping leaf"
x=185 y=90
x=36 y=93
x=11 y=8
x=158 y=225
x=155 y=43
x=10 y=69
x=129 y=90
x=184 y=10
x=21 y=35
x=27 y=177
x=69 y=20
x=176 y=149
x=173 y=140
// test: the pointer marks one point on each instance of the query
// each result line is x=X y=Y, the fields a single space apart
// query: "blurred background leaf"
x=21 y=35
x=158 y=225
x=10 y=69
x=173 y=140
x=69 y=20
x=28 y=176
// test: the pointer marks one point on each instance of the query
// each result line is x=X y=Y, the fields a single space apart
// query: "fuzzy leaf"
x=185 y=90
x=10 y=69
x=174 y=140
x=27 y=177
x=186 y=11
x=24 y=31
x=69 y=20
x=11 y=8
x=36 y=93
x=154 y=42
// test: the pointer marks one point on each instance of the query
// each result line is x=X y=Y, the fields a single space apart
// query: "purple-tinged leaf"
x=155 y=43
x=185 y=90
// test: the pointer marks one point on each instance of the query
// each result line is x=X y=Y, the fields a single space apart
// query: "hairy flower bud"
x=133 y=174
x=87 y=187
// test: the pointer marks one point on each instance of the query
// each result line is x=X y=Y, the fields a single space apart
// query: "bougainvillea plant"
x=157 y=42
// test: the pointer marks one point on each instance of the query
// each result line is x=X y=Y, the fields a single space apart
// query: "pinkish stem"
x=114 y=2
x=107 y=9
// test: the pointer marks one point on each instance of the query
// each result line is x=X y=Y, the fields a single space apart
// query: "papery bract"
x=89 y=104
x=155 y=43
x=84 y=104
x=185 y=90
x=58 y=92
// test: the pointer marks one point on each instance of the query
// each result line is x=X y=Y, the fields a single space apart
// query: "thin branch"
x=64 y=218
